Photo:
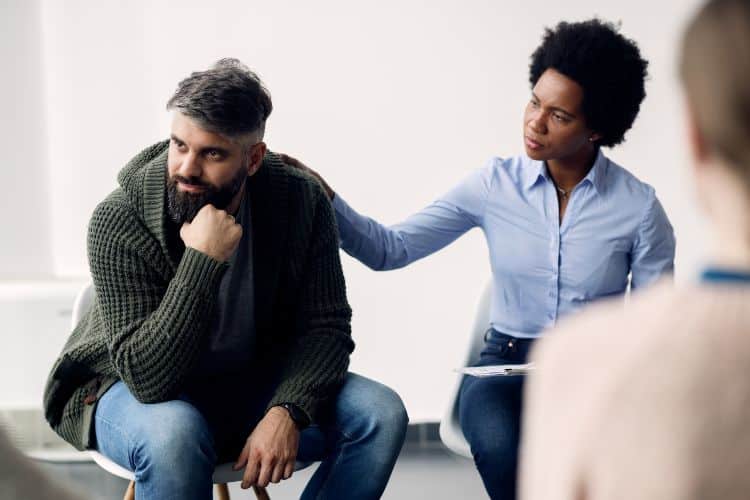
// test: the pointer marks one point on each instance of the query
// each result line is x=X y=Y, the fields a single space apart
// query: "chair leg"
x=261 y=493
x=130 y=492
x=222 y=491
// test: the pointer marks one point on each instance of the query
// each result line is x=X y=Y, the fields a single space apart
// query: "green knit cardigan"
x=151 y=312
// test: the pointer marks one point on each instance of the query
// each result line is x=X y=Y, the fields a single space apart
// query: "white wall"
x=393 y=101
x=36 y=317
x=25 y=250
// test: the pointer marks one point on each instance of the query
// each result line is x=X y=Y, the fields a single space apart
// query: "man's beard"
x=183 y=207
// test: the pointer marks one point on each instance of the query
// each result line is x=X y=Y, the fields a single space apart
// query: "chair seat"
x=223 y=473
x=111 y=467
x=453 y=437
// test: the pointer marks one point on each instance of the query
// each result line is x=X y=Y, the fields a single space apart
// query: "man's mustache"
x=190 y=181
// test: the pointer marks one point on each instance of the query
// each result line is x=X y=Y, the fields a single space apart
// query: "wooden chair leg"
x=261 y=493
x=130 y=492
x=222 y=491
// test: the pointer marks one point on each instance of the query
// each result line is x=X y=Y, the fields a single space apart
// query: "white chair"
x=450 y=429
x=223 y=473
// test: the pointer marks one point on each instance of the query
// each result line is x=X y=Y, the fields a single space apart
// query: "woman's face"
x=554 y=127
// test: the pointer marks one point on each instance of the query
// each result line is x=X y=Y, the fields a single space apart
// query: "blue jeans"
x=490 y=415
x=173 y=446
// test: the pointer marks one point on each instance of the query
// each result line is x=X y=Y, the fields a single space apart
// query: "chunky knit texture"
x=151 y=313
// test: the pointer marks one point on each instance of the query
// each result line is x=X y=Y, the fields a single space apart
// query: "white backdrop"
x=393 y=101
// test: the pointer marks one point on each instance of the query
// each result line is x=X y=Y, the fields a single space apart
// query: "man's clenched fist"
x=213 y=232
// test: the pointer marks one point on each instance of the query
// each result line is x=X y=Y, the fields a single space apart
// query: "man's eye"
x=213 y=155
x=561 y=118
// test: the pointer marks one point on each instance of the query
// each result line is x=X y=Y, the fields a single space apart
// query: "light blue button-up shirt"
x=613 y=226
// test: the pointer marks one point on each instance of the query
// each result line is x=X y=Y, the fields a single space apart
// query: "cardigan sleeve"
x=319 y=361
x=153 y=325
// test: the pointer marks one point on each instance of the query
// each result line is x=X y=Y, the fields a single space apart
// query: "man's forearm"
x=153 y=353
x=315 y=370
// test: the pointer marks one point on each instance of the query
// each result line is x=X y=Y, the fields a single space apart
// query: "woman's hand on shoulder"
x=295 y=163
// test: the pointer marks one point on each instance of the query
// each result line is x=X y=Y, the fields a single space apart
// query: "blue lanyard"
x=714 y=275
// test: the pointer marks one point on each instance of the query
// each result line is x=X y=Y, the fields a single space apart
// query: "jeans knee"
x=178 y=437
x=388 y=412
x=372 y=411
x=494 y=451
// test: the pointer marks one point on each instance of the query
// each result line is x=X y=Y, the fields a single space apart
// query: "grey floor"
x=422 y=472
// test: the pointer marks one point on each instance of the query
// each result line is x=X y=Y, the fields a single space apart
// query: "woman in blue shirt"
x=564 y=224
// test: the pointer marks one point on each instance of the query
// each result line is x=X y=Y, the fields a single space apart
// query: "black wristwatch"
x=298 y=416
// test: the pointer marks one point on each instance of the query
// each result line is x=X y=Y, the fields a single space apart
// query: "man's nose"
x=189 y=166
x=537 y=123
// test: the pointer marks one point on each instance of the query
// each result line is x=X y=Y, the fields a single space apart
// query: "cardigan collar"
x=144 y=180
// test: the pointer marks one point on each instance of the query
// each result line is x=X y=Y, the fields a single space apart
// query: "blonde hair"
x=715 y=70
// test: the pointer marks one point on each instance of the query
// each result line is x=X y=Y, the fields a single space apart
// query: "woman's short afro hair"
x=608 y=67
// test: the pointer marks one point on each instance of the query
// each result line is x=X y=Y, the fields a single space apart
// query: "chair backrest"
x=480 y=326
x=450 y=429
x=82 y=304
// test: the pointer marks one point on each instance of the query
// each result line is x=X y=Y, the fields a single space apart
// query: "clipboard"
x=497 y=370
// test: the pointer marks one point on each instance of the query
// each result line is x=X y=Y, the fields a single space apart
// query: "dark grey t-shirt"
x=231 y=340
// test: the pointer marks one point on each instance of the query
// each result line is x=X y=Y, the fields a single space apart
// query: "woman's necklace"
x=563 y=193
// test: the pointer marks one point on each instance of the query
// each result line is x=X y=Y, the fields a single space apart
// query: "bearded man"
x=221 y=329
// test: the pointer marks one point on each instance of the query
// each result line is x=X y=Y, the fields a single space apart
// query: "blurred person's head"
x=587 y=87
x=715 y=71
x=218 y=124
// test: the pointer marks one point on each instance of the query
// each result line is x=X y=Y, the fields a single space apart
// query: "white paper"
x=496 y=370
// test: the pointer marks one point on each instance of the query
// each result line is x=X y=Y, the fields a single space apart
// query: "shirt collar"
x=598 y=172
x=534 y=170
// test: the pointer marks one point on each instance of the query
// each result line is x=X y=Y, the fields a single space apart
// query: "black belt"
x=493 y=336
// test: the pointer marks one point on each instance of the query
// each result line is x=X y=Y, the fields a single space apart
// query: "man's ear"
x=255 y=154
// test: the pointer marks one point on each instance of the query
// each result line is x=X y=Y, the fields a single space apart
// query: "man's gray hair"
x=226 y=99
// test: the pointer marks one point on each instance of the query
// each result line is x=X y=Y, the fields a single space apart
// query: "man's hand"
x=213 y=232
x=270 y=451
x=295 y=163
